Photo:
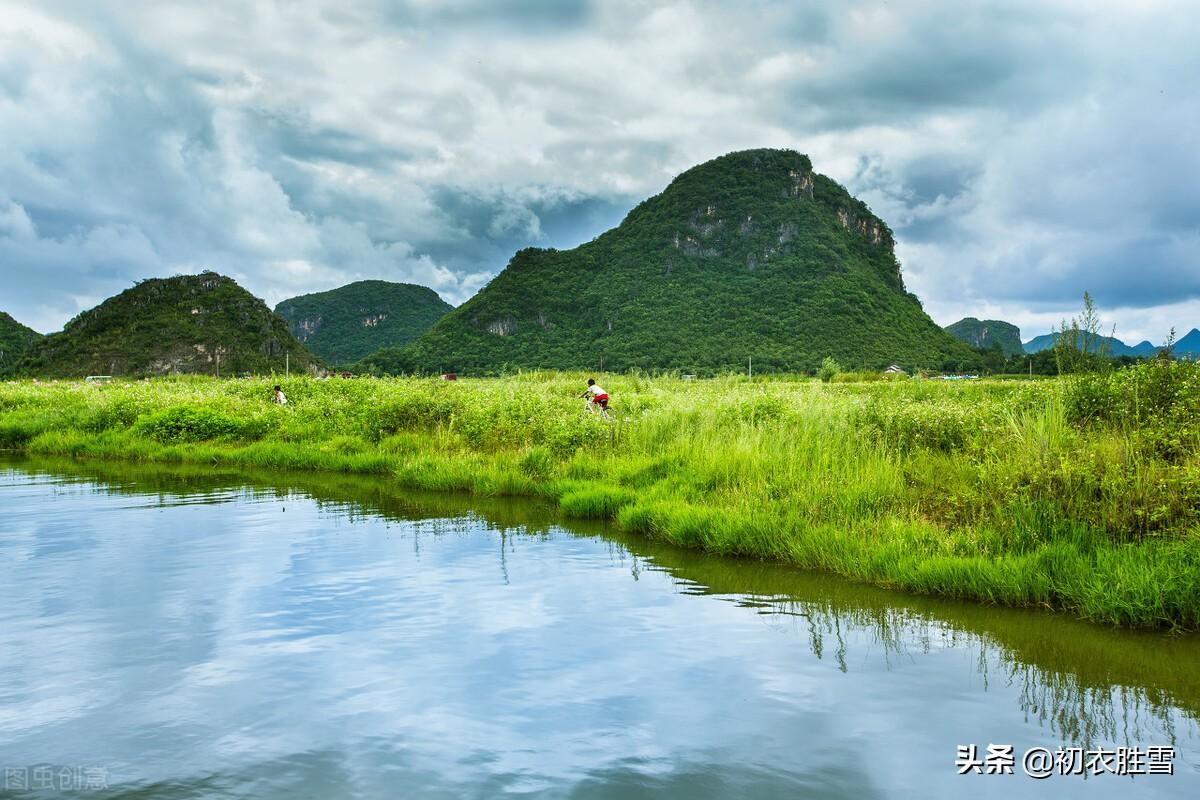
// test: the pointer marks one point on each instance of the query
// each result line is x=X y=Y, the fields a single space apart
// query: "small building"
x=449 y=376
x=895 y=369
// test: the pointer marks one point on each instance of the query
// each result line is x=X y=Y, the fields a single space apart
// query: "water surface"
x=191 y=633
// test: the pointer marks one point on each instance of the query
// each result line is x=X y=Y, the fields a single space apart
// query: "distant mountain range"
x=750 y=255
x=190 y=323
x=207 y=323
x=344 y=325
x=1189 y=345
x=982 y=334
x=1111 y=345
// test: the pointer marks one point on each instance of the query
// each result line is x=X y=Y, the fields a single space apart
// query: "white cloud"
x=15 y=222
x=1022 y=152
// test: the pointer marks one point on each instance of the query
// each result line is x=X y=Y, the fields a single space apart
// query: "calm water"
x=192 y=634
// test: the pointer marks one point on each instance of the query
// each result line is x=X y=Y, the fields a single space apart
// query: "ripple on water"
x=199 y=636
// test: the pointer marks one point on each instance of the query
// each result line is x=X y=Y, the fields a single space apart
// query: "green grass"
x=1079 y=495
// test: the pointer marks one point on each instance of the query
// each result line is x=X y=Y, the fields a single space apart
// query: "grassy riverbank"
x=1080 y=495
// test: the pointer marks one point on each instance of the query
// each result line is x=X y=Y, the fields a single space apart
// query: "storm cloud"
x=1022 y=152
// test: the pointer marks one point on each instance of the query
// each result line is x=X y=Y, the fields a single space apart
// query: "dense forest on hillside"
x=345 y=324
x=202 y=323
x=751 y=255
x=15 y=341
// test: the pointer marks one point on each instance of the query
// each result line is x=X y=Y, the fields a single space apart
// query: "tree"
x=1167 y=353
x=1079 y=345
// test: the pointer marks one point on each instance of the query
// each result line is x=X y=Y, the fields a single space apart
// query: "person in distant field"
x=280 y=397
x=599 y=396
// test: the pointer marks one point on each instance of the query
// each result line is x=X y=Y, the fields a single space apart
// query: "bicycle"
x=591 y=408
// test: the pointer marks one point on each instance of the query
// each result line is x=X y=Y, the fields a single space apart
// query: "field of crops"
x=1079 y=494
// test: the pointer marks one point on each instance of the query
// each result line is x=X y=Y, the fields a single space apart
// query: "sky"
x=1022 y=152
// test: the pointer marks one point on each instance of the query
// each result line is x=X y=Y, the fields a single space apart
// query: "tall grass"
x=1082 y=495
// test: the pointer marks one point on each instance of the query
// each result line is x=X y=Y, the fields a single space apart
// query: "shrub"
x=761 y=408
x=196 y=424
x=1159 y=400
x=829 y=368
x=119 y=413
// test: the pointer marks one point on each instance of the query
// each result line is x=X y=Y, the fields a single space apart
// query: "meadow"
x=1078 y=494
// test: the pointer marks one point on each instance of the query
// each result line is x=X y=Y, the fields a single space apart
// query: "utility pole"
x=1031 y=366
x=287 y=364
x=750 y=368
x=218 y=362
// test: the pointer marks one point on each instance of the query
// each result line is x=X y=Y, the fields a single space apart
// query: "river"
x=190 y=632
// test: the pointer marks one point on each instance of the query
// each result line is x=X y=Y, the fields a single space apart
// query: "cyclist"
x=598 y=396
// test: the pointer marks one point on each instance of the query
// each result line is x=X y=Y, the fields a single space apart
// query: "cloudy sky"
x=1022 y=152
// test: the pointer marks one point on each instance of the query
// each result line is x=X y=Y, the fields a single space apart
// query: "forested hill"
x=985 y=333
x=751 y=255
x=15 y=340
x=345 y=324
x=190 y=323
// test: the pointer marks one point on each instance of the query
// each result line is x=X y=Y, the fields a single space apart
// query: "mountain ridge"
x=204 y=323
x=15 y=340
x=1189 y=343
x=1115 y=347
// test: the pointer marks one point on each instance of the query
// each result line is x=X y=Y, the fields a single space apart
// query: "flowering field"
x=1080 y=494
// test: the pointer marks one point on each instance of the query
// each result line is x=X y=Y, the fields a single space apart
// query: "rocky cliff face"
x=983 y=334
x=345 y=324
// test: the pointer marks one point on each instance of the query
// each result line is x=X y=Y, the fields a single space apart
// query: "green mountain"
x=982 y=334
x=15 y=340
x=345 y=324
x=751 y=255
x=1113 y=346
x=190 y=323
